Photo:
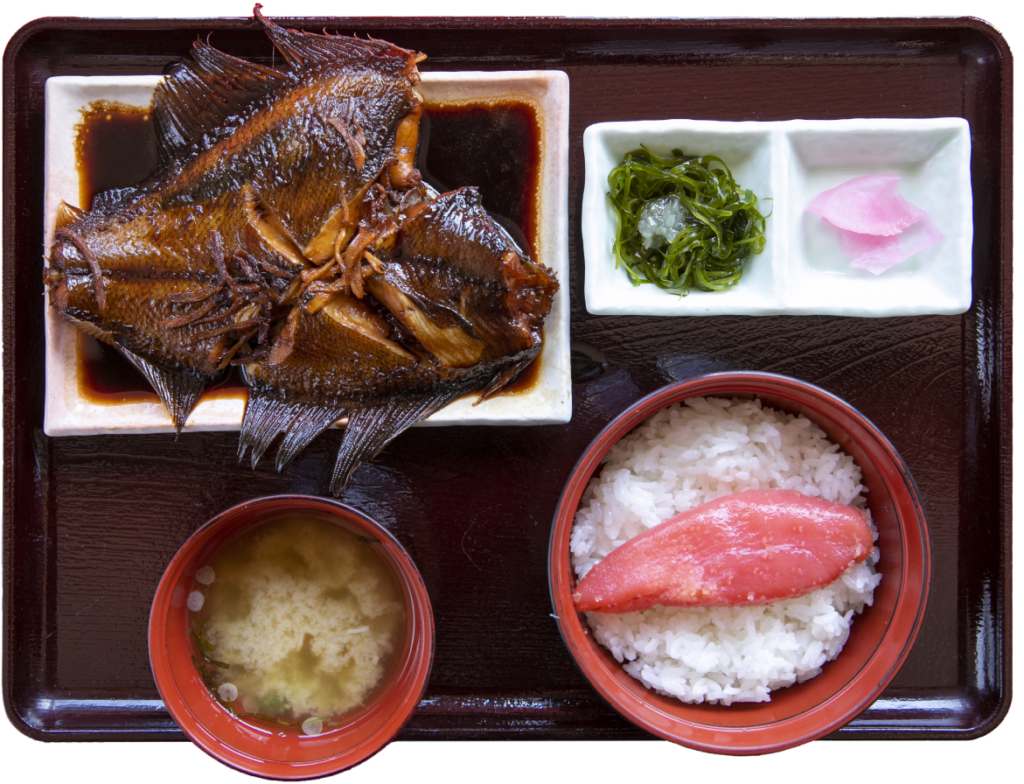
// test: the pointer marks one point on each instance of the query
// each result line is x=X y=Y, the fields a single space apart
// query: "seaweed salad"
x=683 y=221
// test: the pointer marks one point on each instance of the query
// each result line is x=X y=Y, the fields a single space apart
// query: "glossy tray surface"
x=91 y=522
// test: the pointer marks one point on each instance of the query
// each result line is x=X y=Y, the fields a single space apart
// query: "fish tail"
x=263 y=420
x=266 y=416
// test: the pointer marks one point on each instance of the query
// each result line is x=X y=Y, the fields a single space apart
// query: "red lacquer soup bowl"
x=880 y=638
x=259 y=747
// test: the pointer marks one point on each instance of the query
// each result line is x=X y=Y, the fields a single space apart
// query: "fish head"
x=127 y=278
x=454 y=255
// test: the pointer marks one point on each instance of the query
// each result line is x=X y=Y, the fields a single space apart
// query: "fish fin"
x=262 y=421
x=369 y=430
x=266 y=416
x=501 y=381
x=439 y=311
x=308 y=423
x=451 y=345
x=311 y=50
x=68 y=214
x=202 y=94
x=108 y=201
x=178 y=391
x=270 y=228
x=93 y=331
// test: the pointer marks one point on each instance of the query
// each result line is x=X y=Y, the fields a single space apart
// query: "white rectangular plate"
x=547 y=401
x=800 y=271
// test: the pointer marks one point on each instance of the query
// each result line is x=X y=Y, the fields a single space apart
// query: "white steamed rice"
x=687 y=455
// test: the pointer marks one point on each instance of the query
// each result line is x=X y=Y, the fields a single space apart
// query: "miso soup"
x=296 y=621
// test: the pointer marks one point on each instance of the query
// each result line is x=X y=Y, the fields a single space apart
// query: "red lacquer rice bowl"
x=880 y=639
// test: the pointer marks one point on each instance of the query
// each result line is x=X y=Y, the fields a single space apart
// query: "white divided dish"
x=786 y=164
x=68 y=411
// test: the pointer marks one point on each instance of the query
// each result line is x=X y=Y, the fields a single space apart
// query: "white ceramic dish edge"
x=800 y=267
x=549 y=401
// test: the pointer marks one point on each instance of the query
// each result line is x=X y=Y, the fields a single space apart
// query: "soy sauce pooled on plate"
x=296 y=622
x=115 y=147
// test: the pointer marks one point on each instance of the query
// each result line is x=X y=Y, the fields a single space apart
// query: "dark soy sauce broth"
x=493 y=146
x=496 y=147
x=115 y=148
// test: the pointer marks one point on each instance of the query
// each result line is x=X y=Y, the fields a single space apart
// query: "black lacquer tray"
x=90 y=522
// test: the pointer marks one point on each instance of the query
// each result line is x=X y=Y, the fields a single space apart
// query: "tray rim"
x=1003 y=360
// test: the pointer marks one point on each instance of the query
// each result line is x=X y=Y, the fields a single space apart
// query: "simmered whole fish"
x=289 y=232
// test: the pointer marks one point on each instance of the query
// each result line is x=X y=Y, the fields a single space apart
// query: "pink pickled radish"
x=877 y=254
x=867 y=205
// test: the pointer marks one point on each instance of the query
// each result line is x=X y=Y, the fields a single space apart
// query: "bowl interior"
x=259 y=747
x=879 y=640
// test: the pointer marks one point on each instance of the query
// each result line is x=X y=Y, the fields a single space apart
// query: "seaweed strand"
x=710 y=251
